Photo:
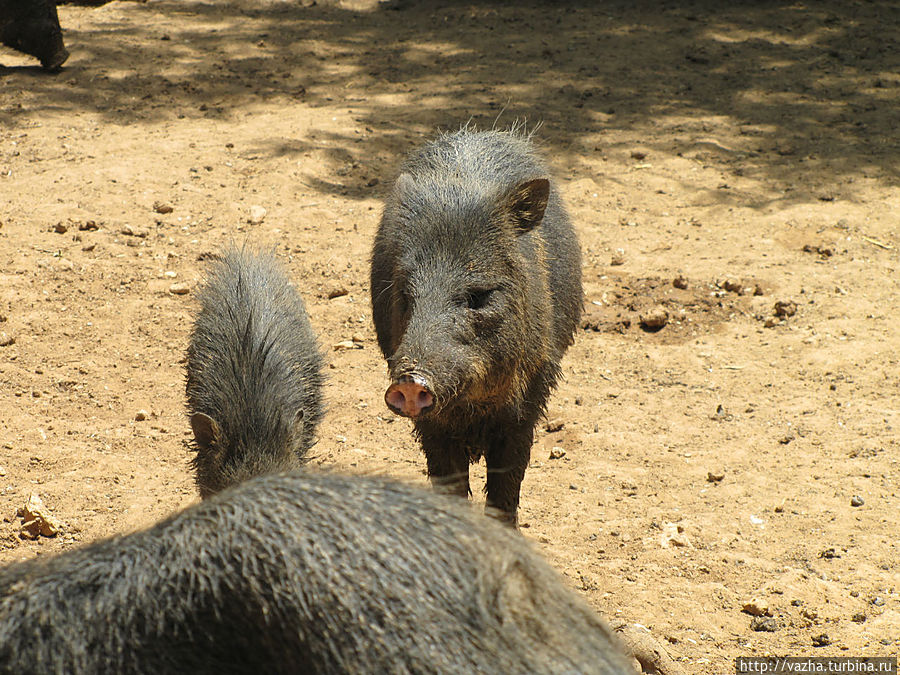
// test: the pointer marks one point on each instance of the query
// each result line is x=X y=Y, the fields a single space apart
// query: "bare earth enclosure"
x=731 y=169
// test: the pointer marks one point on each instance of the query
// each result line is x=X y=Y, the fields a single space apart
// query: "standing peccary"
x=476 y=293
x=32 y=27
x=254 y=376
x=300 y=573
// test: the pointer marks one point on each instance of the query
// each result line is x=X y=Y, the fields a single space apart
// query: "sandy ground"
x=750 y=151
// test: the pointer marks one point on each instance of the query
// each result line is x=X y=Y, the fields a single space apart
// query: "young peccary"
x=476 y=294
x=253 y=373
x=303 y=573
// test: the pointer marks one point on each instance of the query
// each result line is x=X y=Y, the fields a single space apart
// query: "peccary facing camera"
x=32 y=27
x=303 y=573
x=476 y=294
x=254 y=381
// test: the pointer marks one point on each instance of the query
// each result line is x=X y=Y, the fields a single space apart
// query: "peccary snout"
x=409 y=396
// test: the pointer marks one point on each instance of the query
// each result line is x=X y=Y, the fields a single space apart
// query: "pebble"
x=179 y=289
x=856 y=500
x=715 y=477
x=257 y=215
x=618 y=258
x=6 y=339
x=60 y=228
x=554 y=425
x=680 y=282
x=141 y=415
x=336 y=292
x=88 y=226
x=557 y=453
x=859 y=617
x=757 y=607
x=763 y=624
x=733 y=285
x=163 y=207
x=821 y=640
x=347 y=344
x=38 y=520
x=771 y=322
x=784 y=308
x=655 y=318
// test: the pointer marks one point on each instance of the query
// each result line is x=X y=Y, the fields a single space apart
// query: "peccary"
x=32 y=27
x=254 y=376
x=476 y=293
x=303 y=573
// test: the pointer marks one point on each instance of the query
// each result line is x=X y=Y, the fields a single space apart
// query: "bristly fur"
x=303 y=573
x=254 y=368
x=476 y=209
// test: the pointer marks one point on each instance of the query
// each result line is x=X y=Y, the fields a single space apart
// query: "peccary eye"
x=477 y=298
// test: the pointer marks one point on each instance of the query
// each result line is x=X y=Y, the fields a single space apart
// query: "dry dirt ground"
x=748 y=149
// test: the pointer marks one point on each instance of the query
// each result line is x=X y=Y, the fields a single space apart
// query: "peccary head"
x=32 y=27
x=459 y=299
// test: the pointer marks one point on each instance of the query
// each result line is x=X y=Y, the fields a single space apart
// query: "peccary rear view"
x=302 y=573
x=254 y=380
x=476 y=293
x=32 y=27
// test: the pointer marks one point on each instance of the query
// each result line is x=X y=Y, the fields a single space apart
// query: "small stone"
x=821 y=640
x=88 y=226
x=336 y=292
x=347 y=344
x=656 y=318
x=60 y=228
x=163 y=207
x=141 y=415
x=680 y=282
x=557 y=453
x=784 y=440
x=179 y=289
x=733 y=285
x=257 y=215
x=715 y=477
x=2 y=470
x=757 y=607
x=170 y=274
x=37 y=519
x=859 y=617
x=129 y=231
x=89 y=247
x=763 y=624
x=857 y=500
x=878 y=601
x=771 y=322
x=785 y=308
x=6 y=339
x=618 y=257
x=638 y=154
x=554 y=425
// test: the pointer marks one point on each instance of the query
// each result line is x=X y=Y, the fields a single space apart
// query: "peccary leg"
x=448 y=464
x=507 y=455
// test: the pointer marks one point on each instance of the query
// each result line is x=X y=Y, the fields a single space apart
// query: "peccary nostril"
x=409 y=396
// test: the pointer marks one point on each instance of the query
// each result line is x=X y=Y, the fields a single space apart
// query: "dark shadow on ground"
x=802 y=85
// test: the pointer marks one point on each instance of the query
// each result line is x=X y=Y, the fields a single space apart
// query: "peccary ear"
x=404 y=185
x=527 y=203
x=206 y=431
